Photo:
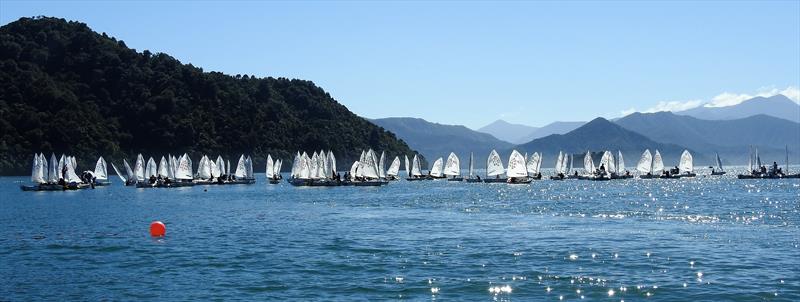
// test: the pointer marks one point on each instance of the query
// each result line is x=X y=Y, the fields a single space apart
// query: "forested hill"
x=67 y=89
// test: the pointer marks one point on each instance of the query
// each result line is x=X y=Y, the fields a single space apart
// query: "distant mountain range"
x=730 y=138
x=552 y=128
x=512 y=133
x=435 y=140
x=520 y=134
x=598 y=135
x=778 y=106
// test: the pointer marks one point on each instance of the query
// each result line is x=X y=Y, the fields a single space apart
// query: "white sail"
x=215 y=171
x=758 y=159
x=37 y=170
x=123 y=178
x=516 y=165
x=719 y=163
x=571 y=162
x=471 y=168
x=332 y=164
x=220 y=165
x=138 y=168
x=152 y=168
x=645 y=163
x=293 y=172
x=611 y=167
x=70 y=175
x=604 y=161
x=75 y=161
x=128 y=170
x=353 y=169
x=559 y=163
x=394 y=168
x=539 y=163
x=203 y=169
x=415 y=168
x=313 y=170
x=54 y=173
x=62 y=163
x=369 y=165
x=278 y=165
x=620 y=163
x=436 y=169
x=382 y=165
x=453 y=165
x=163 y=167
x=533 y=164
x=687 y=163
x=100 y=169
x=588 y=163
x=270 y=169
x=184 y=170
x=408 y=168
x=172 y=166
x=304 y=168
x=241 y=170
x=564 y=163
x=494 y=165
x=658 y=163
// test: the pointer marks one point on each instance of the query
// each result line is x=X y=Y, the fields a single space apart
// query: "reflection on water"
x=689 y=239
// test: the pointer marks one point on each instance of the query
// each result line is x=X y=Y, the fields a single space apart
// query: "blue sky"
x=471 y=63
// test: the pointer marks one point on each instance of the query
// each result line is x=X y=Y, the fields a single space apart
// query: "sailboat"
x=718 y=170
x=101 y=173
x=472 y=178
x=558 y=167
x=533 y=165
x=606 y=170
x=416 y=170
x=437 y=169
x=774 y=172
x=394 y=169
x=272 y=170
x=453 y=168
x=645 y=165
x=494 y=167
x=517 y=172
x=588 y=166
x=686 y=165
x=41 y=175
x=621 y=172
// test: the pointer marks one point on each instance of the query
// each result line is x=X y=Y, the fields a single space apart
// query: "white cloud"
x=674 y=106
x=627 y=111
x=721 y=100
x=729 y=99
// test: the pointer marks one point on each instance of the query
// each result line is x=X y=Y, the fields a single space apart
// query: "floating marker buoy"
x=157 y=229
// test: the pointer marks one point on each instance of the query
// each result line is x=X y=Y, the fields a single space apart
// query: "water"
x=662 y=240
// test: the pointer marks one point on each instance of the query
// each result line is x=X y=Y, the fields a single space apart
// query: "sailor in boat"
x=602 y=170
x=153 y=179
x=576 y=174
x=511 y=180
x=478 y=177
x=88 y=178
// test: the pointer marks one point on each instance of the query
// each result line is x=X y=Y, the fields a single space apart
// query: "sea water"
x=701 y=239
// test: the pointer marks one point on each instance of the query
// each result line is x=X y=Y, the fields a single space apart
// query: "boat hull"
x=474 y=180
x=494 y=180
x=718 y=173
x=456 y=179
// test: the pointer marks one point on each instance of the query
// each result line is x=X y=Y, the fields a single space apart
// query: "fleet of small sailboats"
x=319 y=169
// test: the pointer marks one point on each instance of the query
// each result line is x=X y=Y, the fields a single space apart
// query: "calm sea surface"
x=703 y=239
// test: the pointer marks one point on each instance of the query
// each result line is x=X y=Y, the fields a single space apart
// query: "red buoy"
x=157 y=229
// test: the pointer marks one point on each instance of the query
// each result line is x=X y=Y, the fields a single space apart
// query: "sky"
x=471 y=63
